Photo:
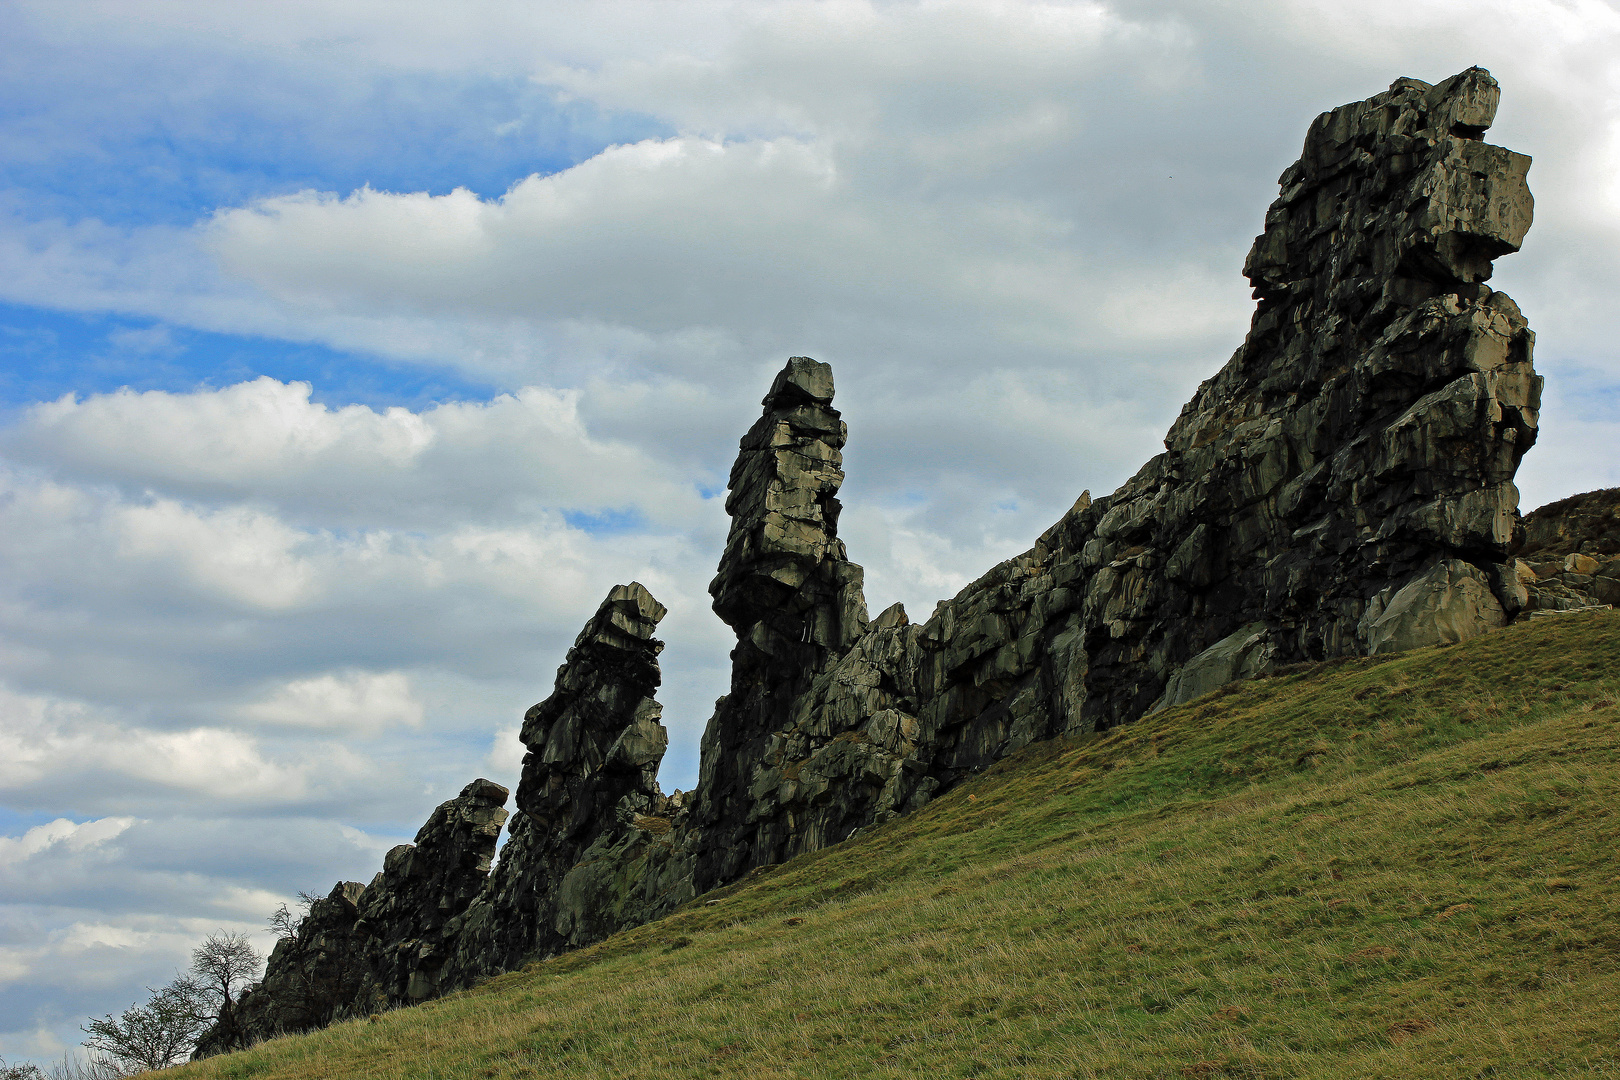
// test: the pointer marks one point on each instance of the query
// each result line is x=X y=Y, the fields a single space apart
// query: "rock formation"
x=589 y=850
x=1343 y=485
x=366 y=947
x=1570 y=560
x=787 y=588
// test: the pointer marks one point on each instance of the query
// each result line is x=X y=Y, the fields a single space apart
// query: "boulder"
x=1241 y=655
x=1448 y=604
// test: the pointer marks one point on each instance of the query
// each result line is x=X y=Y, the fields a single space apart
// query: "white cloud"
x=517 y=456
x=506 y=751
x=360 y=700
x=236 y=554
x=74 y=836
x=53 y=744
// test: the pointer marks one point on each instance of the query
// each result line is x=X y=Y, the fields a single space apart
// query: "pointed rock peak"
x=784 y=580
x=1464 y=104
x=611 y=669
x=627 y=619
x=485 y=791
x=894 y=615
x=804 y=381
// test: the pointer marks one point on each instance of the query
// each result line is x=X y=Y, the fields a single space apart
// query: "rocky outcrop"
x=1363 y=438
x=1586 y=524
x=313 y=978
x=590 y=849
x=363 y=948
x=1343 y=485
x=788 y=589
x=1570 y=560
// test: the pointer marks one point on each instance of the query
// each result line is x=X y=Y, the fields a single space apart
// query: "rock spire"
x=590 y=812
x=788 y=589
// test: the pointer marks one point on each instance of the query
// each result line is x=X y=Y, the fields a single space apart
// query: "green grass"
x=1403 y=867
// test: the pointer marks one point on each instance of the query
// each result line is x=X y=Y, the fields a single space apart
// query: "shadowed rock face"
x=363 y=948
x=1343 y=485
x=789 y=591
x=591 y=821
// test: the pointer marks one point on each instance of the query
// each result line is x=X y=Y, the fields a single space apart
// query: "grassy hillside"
x=1400 y=867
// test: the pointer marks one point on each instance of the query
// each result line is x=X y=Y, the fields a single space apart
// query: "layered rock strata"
x=1343 y=485
x=787 y=588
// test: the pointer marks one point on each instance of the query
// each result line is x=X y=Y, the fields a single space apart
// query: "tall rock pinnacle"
x=788 y=589
x=590 y=776
x=785 y=584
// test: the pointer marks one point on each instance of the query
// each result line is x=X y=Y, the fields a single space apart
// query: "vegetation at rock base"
x=1400 y=866
x=164 y=1031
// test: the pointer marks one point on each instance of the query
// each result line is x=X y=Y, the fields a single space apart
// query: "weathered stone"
x=789 y=591
x=360 y=949
x=1451 y=603
x=1343 y=485
x=1588 y=523
x=589 y=797
x=1242 y=655
x=1570 y=560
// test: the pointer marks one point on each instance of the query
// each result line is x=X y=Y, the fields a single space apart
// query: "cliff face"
x=1343 y=485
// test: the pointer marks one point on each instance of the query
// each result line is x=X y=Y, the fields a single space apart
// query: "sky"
x=351 y=351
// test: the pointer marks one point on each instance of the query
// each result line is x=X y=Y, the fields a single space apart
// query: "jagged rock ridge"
x=1343 y=485
x=367 y=947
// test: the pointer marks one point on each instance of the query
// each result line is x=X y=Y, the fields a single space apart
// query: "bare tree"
x=285 y=923
x=221 y=962
x=164 y=1031
x=155 y=1035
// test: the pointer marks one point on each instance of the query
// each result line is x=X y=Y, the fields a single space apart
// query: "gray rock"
x=1450 y=603
x=589 y=797
x=1242 y=655
x=360 y=949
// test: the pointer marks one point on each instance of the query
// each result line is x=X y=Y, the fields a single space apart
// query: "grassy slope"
x=1398 y=868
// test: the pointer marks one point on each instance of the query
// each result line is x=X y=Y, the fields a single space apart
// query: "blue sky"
x=350 y=352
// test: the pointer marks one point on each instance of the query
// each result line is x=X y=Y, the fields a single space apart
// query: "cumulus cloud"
x=512 y=458
x=51 y=747
x=351 y=699
x=75 y=836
